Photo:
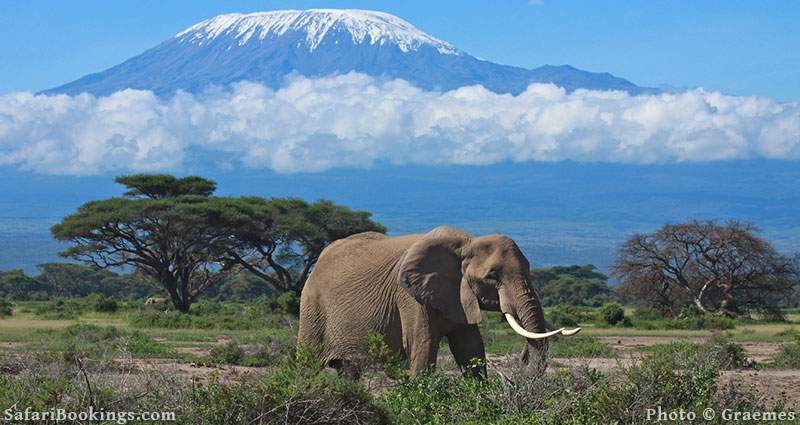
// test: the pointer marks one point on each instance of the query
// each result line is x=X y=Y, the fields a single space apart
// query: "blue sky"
x=737 y=47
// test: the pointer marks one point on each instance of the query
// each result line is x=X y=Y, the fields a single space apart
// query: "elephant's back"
x=363 y=252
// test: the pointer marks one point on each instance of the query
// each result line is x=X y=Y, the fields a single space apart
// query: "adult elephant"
x=415 y=290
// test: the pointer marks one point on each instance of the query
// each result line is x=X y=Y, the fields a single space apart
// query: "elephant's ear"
x=431 y=272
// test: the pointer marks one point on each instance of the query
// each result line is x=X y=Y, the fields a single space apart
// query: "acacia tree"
x=718 y=269
x=280 y=239
x=162 y=227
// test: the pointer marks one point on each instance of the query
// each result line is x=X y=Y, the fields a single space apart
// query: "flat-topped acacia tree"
x=184 y=240
x=162 y=226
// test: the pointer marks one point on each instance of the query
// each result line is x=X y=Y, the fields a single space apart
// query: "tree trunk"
x=698 y=300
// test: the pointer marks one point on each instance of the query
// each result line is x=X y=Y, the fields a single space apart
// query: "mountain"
x=265 y=47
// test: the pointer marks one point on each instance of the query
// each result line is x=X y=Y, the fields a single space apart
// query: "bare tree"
x=719 y=269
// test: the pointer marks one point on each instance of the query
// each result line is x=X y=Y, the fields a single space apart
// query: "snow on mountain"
x=266 y=47
x=363 y=26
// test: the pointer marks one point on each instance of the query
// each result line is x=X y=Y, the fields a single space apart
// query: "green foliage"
x=175 y=233
x=228 y=353
x=436 y=398
x=289 y=303
x=85 y=340
x=650 y=319
x=612 y=313
x=568 y=315
x=574 y=285
x=211 y=315
x=60 y=309
x=280 y=239
x=788 y=355
x=647 y=313
x=101 y=304
x=580 y=346
x=16 y=285
x=720 y=349
x=300 y=390
x=6 y=307
x=390 y=362
x=70 y=281
x=269 y=350
x=159 y=186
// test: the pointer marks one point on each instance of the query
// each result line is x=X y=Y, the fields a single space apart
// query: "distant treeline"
x=69 y=280
x=579 y=285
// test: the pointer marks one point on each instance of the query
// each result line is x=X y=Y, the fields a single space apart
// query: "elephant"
x=414 y=290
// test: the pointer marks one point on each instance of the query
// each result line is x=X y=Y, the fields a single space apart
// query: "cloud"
x=357 y=120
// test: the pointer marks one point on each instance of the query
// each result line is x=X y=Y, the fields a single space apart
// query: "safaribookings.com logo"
x=61 y=415
x=709 y=414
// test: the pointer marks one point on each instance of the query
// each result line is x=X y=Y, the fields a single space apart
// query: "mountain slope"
x=265 y=47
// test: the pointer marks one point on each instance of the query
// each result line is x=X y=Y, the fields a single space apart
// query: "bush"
x=60 y=309
x=647 y=313
x=210 y=315
x=83 y=340
x=568 y=315
x=788 y=355
x=704 y=321
x=229 y=353
x=288 y=303
x=381 y=356
x=269 y=350
x=720 y=349
x=6 y=308
x=300 y=390
x=612 y=313
x=102 y=304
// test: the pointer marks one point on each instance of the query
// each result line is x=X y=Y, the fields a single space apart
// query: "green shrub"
x=105 y=305
x=647 y=313
x=568 y=315
x=288 y=303
x=720 y=349
x=705 y=321
x=6 y=307
x=59 y=309
x=580 y=346
x=380 y=355
x=612 y=313
x=92 y=341
x=229 y=353
x=436 y=398
x=210 y=315
x=268 y=351
x=299 y=391
x=788 y=356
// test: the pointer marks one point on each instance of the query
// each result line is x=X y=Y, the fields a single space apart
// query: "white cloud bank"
x=355 y=120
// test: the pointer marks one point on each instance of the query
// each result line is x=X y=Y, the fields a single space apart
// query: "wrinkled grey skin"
x=414 y=290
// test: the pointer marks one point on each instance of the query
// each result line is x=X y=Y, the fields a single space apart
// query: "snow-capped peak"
x=364 y=26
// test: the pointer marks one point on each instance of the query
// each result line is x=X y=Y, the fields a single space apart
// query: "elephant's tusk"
x=570 y=332
x=530 y=335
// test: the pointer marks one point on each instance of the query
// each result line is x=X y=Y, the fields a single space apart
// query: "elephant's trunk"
x=519 y=301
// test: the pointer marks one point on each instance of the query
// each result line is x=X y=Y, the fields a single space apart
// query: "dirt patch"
x=760 y=352
x=774 y=384
x=199 y=372
x=9 y=345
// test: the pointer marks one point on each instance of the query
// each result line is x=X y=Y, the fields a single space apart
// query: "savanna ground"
x=229 y=363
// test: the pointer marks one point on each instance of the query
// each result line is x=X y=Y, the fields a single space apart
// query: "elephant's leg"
x=422 y=355
x=466 y=345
